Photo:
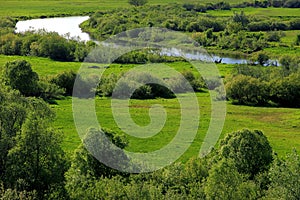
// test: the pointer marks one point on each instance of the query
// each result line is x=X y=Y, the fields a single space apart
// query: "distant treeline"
x=176 y=17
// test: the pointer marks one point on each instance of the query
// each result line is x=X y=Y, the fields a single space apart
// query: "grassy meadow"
x=33 y=9
x=280 y=125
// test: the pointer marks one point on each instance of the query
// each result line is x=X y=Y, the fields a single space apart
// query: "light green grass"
x=32 y=8
x=43 y=66
x=47 y=67
x=280 y=125
x=290 y=36
x=269 y=12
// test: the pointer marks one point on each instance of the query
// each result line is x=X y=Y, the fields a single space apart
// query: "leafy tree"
x=65 y=80
x=37 y=161
x=285 y=178
x=137 y=2
x=49 y=91
x=250 y=151
x=13 y=112
x=223 y=181
x=247 y=90
x=19 y=75
x=55 y=47
x=286 y=91
x=86 y=170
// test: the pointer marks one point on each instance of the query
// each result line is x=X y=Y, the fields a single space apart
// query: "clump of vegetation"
x=279 y=86
x=137 y=2
x=19 y=76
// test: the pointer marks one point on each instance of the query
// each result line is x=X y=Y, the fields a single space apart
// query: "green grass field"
x=269 y=12
x=47 y=67
x=32 y=8
x=280 y=125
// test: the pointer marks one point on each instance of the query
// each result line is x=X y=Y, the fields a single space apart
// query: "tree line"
x=176 y=17
x=249 y=85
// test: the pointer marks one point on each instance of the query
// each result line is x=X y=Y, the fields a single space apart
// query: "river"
x=69 y=28
x=65 y=26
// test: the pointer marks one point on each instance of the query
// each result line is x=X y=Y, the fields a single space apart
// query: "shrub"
x=249 y=150
x=247 y=90
x=19 y=75
x=65 y=80
x=141 y=85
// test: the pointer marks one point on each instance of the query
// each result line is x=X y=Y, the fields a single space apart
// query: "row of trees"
x=19 y=75
x=103 y=24
x=249 y=85
x=44 y=44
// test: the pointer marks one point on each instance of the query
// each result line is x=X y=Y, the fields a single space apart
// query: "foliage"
x=225 y=182
x=19 y=76
x=65 y=80
x=32 y=161
x=278 y=86
x=36 y=162
x=284 y=178
x=44 y=44
x=247 y=90
x=103 y=24
x=249 y=151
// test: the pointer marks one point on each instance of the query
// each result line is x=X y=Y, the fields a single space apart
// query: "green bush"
x=65 y=80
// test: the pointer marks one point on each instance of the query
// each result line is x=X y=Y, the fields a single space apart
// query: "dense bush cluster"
x=7 y=25
x=103 y=24
x=19 y=76
x=44 y=44
x=245 y=41
x=253 y=85
x=143 y=85
x=239 y=32
x=31 y=156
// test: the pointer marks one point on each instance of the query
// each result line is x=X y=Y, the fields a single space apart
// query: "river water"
x=65 y=26
x=69 y=28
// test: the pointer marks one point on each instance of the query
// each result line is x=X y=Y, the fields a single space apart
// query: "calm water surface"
x=66 y=26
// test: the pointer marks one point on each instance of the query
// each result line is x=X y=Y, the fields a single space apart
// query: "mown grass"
x=47 y=67
x=280 y=125
x=38 y=8
x=269 y=12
